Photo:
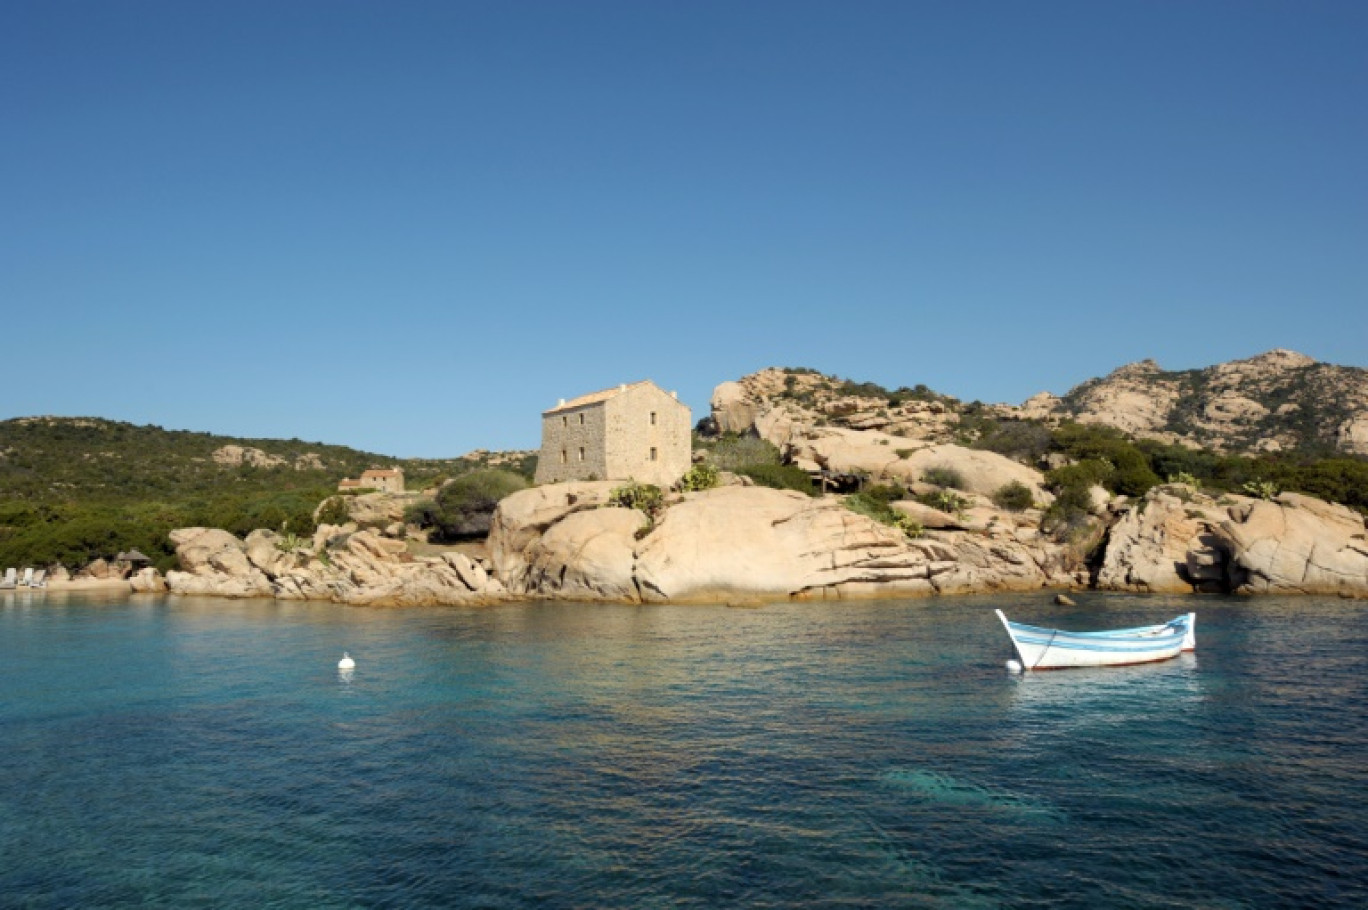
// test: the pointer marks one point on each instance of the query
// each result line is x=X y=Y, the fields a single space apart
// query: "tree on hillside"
x=463 y=507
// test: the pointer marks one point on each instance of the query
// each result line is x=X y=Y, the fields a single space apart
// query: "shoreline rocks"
x=340 y=564
x=742 y=543
x=748 y=542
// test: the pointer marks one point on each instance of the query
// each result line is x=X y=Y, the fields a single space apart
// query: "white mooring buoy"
x=346 y=663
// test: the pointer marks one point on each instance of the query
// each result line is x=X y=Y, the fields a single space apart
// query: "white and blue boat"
x=1053 y=649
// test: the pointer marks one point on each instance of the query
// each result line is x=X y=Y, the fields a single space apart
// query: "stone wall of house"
x=386 y=481
x=638 y=433
x=572 y=445
x=649 y=436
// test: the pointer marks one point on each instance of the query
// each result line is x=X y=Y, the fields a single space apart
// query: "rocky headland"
x=742 y=542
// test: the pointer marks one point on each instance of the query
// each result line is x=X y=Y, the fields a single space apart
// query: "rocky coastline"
x=740 y=542
x=743 y=543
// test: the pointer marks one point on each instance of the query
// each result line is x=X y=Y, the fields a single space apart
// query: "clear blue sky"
x=410 y=227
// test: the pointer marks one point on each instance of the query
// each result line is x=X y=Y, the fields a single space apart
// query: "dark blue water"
x=199 y=752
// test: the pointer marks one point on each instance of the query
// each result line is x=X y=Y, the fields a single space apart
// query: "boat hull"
x=1055 y=649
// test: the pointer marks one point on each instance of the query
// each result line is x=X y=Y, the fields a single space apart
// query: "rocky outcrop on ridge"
x=235 y=456
x=1274 y=402
x=887 y=458
x=1277 y=401
x=776 y=401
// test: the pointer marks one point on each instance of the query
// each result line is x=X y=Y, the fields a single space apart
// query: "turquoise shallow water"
x=199 y=752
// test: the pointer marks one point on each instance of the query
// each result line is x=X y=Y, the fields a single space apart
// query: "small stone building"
x=386 y=480
x=631 y=432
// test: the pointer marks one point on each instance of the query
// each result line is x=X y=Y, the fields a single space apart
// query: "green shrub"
x=701 y=476
x=946 y=501
x=1086 y=473
x=779 y=476
x=1261 y=489
x=944 y=476
x=647 y=497
x=1068 y=514
x=1130 y=475
x=877 y=508
x=884 y=492
x=1014 y=496
x=1024 y=440
x=464 y=507
x=334 y=511
x=731 y=452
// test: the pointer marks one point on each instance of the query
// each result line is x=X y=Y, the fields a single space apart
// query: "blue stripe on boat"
x=1153 y=644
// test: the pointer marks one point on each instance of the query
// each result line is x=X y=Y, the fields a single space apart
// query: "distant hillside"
x=1280 y=401
x=73 y=489
x=87 y=458
x=1277 y=402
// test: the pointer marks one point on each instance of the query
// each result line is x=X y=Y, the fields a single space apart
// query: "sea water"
x=177 y=752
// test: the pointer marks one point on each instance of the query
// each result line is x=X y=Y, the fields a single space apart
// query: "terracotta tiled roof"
x=376 y=473
x=596 y=397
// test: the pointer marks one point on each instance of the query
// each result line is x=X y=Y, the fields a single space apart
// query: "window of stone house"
x=565 y=420
x=565 y=456
x=653 y=453
x=581 y=420
x=653 y=423
x=581 y=453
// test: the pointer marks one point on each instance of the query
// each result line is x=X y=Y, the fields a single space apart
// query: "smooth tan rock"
x=525 y=515
x=757 y=541
x=147 y=581
x=733 y=409
x=1297 y=545
x=926 y=516
x=587 y=555
x=1149 y=546
x=379 y=510
x=892 y=458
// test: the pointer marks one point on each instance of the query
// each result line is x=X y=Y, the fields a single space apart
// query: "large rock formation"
x=1276 y=401
x=1176 y=540
x=376 y=510
x=214 y=562
x=1296 y=545
x=1273 y=402
x=1167 y=544
x=564 y=541
x=339 y=564
x=747 y=542
x=884 y=457
x=235 y=456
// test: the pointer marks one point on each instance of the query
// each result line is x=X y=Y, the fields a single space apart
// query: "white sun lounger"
x=27 y=579
x=11 y=579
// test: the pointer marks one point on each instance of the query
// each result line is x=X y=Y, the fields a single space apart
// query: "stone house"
x=631 y=432
x=386 y=480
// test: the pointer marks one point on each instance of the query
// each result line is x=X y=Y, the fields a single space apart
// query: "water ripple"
x=869 y=755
